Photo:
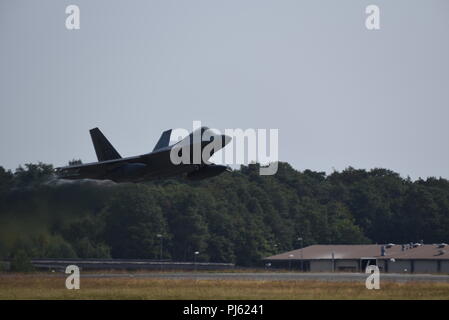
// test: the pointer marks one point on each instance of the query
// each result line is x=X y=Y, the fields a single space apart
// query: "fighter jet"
x=157 y=164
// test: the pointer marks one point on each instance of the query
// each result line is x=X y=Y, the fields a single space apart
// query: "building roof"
x=358 y=251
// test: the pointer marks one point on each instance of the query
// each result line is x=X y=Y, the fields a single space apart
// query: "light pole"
x=290 y=261
x=300 y=239
x=194 y=258
x=160 y=254
x=333 y=261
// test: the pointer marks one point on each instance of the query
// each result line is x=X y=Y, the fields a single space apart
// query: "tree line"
x=237 y=217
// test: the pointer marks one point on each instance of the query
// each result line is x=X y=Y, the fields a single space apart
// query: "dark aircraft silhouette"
x=154 y=165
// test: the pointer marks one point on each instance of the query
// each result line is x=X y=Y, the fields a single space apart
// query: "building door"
x=365 y=262
x=305 y=265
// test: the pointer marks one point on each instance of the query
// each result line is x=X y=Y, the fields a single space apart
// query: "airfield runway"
x=273 y=276
x=255 y=276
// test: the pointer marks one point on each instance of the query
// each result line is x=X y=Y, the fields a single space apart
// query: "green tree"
x=132 y=221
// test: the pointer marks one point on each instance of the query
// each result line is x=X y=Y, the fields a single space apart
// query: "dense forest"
x=236 y=217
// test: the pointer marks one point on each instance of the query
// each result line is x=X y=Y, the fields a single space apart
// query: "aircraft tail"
x=103 y=148
x=164 y=140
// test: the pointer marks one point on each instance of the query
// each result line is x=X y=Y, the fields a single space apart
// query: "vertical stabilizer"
x=164 y=140
x=103 y=148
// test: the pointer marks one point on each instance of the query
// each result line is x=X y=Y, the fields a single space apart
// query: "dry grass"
x=35 y=287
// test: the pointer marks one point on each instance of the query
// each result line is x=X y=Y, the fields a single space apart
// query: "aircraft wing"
x=101 y=170
x=94 y=170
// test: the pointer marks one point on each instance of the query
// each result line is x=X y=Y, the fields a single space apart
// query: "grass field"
x=35 y=287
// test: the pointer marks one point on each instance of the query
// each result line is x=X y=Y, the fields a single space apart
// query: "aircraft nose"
x=226 y=139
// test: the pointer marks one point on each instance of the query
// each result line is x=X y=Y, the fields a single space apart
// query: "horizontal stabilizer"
x=164 y=140
x=103 y=148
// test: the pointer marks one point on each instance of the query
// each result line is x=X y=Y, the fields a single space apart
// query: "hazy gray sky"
x=339 y=94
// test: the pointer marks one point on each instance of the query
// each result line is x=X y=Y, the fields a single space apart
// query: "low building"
x=405 y=258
